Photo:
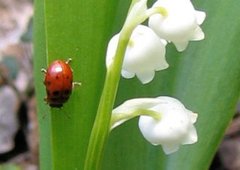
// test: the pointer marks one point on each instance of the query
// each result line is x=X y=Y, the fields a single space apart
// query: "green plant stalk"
x=101 y=125
x=102 y=122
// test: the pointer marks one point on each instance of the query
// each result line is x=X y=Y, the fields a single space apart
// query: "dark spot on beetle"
x=48 y=83
x=57 y=77
x=65 y=98
x=66 y=92
x=61 y=99
x=48 y=92
x=56 y=93
x=53 y=99
x=67 y=77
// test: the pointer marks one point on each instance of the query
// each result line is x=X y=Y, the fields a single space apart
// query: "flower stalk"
x=101 y=125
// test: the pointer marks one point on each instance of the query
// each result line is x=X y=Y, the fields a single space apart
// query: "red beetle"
x=58 y=82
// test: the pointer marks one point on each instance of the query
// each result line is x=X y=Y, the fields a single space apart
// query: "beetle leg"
x=68 y=60
x=45 y=99
x=76 y=84
x=44 y=70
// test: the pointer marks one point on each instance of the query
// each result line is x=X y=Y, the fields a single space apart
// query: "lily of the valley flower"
x=145 y=54
x=163 y=121
x=181 y=23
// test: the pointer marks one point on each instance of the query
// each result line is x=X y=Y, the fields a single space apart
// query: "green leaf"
x=42 y=109
x=78 y=29
x=205 y=77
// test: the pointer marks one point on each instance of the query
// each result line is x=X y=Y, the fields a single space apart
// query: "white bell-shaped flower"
x=174 y=128
x=144 y=55
x=181 y=24
x=163 y=121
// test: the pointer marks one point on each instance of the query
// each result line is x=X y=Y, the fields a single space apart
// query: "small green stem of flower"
x=156 y=10
x=101 y=125
x=119 y=118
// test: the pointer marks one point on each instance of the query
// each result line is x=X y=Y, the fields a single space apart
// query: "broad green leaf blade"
x=39 y=61
x=205 y=77
x=77 y=29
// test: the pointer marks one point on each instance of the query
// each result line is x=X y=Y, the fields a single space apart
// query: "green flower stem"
x=101 y=125
x=119 y=118
x=156 y=10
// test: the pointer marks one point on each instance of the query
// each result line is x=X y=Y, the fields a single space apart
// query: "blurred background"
x=18 y=116
x=18 y=121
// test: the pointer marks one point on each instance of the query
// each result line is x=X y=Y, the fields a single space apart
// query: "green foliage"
x=80 y=30
x=205 y=77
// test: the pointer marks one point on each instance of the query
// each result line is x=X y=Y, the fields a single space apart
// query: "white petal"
x=198 y=34
x=162 y=65
x=146 y=77
x=168 y=149
x=193 y=116
x=200 y=15
x=191 y=137
x=127 y=74
x=181 y=46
